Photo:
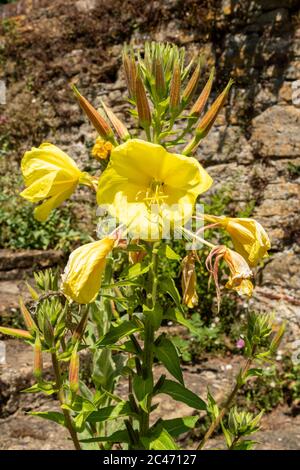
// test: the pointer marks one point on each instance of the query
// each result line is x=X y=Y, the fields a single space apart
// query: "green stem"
x=68 y=419
x=147 y=364
x=227 y=405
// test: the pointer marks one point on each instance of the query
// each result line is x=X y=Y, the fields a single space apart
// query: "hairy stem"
x=68 y=419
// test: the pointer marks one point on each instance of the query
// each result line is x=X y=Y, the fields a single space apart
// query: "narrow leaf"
x=179 y=393
x=166 y=352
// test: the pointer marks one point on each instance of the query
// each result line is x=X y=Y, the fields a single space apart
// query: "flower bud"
x=191 y=85
x=120 y=128
x=142 y=104
x=32 y=291
x=209 y=118
x=38 y=358
x=159 y=74
x=28 y=320
x=127 y=71
x=99 y=123
x=48 y=332
x=175 y=89
x=189 y=281
x=202 y=100
x=74 y=370
x=15 y=332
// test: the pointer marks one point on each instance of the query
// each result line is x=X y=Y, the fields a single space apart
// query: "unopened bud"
x=190 y=89
x=28 y=320
x=277 y=338
x=142 y=104
x=24 y=334
x=32 y=291
x=175 y=89
x=202 y=100
x=120 y=128
x=127 y=67
x=99 y=123
x=38 y=358
x=74 y=370
x=189 y=281
x=48 y=332
x=159 y=74
x=80 y=328
x=209 y=118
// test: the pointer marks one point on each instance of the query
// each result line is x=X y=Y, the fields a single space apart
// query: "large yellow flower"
x=83 y=273
x=50 y=175
x=149 y=189
x=248 y=236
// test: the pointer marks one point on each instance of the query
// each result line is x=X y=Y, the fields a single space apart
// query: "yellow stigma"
x=101 y=149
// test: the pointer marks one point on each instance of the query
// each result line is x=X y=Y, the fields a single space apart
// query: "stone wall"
x=255 y=145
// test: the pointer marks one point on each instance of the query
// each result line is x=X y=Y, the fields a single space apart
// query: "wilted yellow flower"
x=102 y=149
x=147 y=188
x=189 y=281
x=50 y=175
x=240 y=273
x=83 y=273
x=248 y=236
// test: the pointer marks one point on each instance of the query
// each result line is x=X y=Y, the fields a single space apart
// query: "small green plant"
x=20 y=230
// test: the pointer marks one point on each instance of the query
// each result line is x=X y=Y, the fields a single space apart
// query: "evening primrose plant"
x=107 y=315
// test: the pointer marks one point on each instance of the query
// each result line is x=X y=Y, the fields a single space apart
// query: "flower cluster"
x=146 y=188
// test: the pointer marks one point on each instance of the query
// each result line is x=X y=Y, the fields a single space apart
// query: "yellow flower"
x=240 y=273
x=83 y=273
x=102 y=149
x=248 y=236
x=148 y=189
x=50 y=175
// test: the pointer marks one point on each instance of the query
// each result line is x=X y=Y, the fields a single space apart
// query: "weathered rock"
x=276 y=132
x=15 y=264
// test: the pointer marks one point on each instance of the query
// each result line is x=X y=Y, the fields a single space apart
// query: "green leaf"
x=137 y=270
x=179 y=393
x=212 y=407
x=175 y=315
x=227 y=435
x=166 y=352
x=254 y=372
x=178 y=426
x=167 y=284
x=155 y=315
x=51 y=416
x=244 y=445
x=170 y=253
x=118 y=436
x=45 y=387
x=111 y=412
x=118 y=332
x=142 y=388
x=160 y=441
